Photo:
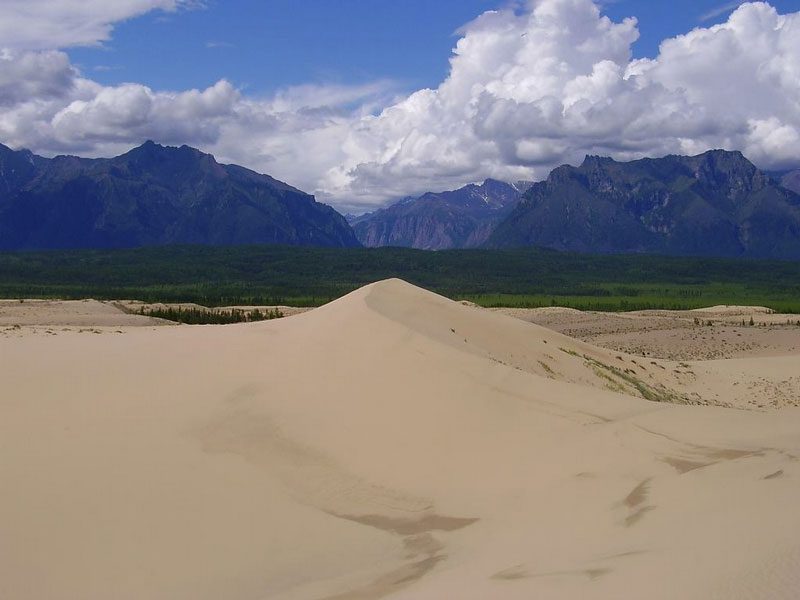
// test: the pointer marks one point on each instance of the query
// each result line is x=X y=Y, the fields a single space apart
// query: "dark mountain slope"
x=154 y=195
x=714 y=204
x=791 y=181
x=462 y=218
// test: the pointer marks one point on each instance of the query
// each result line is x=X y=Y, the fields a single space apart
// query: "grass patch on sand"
x=623 y=380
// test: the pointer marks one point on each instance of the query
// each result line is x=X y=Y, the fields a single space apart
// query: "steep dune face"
x=543 y=352
x=390 y=444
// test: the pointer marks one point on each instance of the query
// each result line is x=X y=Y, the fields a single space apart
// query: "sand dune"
x=390 y=444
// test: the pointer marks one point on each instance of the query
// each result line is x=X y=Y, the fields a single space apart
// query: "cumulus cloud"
x=40 y=75
x=131 y=111
x=529 y=88
x=532 y=89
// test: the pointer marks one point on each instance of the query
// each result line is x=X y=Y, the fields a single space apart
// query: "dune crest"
x=390 y=444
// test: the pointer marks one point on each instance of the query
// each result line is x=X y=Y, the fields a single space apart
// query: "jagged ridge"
x=154 y=195
x=714 y=204
x=462 y=218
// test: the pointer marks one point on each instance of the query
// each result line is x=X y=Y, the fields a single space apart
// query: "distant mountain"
x=462 y=218
x=791 y=181
x=154 y=195
x=714 y=204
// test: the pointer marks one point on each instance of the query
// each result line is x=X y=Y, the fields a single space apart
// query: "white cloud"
x=721 y=10
x=50 y=24
x=528 y=89
x=131 y=111
x=39 y=75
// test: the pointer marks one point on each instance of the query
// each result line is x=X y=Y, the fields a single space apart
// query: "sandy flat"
x=19 y=318
x=392 y=444
x=702 y=334
x=69 y=313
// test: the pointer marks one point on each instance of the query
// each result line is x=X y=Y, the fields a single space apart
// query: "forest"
x=277 y=275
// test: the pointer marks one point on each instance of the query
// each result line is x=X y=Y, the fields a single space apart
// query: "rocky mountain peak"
x=154 y=195
x=714 y=204
x=459 y=218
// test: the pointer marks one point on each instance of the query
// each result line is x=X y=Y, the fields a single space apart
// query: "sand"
x=390 y=444
x=69 y=313
x=701 y=334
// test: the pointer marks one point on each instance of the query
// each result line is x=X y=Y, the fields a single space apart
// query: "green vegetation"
x=547 y=369
x=527 y=278
x=199 y=316
x=617 y=378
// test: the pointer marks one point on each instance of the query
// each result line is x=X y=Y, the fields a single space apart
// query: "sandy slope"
x=392 y=443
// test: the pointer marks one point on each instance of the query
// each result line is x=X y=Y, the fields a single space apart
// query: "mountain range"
x=714 y=204
x=154 y=195
x=462 y=218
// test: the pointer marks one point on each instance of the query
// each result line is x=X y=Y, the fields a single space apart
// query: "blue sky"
x=265 y=45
